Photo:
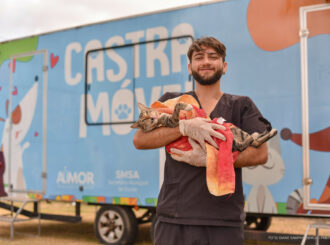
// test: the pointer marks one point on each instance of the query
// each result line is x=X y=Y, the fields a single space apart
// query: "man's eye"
x=198 y=57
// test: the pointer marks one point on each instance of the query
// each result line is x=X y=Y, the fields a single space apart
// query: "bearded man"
x=186 y=212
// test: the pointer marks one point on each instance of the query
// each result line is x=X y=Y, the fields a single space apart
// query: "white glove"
x=201 y=130
x=195 y=157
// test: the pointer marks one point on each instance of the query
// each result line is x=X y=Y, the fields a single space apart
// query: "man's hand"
x=201 y=130
x=195 y=157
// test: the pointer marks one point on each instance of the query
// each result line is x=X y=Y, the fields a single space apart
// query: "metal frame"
x=44 y=119
x=307 y=181
x=317 y=226
x=87 y=86
x=13 y=216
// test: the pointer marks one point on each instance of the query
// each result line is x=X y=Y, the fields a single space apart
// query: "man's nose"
x=206 y=60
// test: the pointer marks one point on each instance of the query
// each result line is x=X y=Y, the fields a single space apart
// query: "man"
x=186 y=212
x=2 y=171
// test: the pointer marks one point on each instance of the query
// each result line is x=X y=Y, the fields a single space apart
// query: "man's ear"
x=189 y=69
x=225 y=66
x=135 y=125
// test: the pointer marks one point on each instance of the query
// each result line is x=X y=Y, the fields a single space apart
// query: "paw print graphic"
x=123 y=111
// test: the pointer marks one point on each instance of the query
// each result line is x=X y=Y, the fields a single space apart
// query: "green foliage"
x=17 y=47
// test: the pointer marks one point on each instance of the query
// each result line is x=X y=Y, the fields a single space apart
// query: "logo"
x=75 y=178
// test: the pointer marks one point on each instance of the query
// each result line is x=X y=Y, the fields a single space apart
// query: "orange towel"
x=220 y=173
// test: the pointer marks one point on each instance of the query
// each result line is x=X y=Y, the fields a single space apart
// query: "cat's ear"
x=135 y=125
x=142 y=107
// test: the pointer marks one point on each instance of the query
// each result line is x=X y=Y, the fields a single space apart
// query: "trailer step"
x=317 y=226
x=45 y=216
x=15 y=213
x=10 y=219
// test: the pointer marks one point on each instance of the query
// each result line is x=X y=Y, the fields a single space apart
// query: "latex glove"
x=201 y=130
x=195 y=157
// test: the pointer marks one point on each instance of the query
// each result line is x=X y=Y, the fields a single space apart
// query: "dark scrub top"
x=184 y=197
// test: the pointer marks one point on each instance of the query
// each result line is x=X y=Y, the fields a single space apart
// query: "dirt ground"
x=54 y=232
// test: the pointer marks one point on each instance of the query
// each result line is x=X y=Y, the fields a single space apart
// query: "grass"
x=54 y=232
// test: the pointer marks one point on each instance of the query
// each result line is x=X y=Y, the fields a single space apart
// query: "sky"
x=22 y=18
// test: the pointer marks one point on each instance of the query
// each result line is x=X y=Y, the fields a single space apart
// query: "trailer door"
x=26 y=126
x=315 y=112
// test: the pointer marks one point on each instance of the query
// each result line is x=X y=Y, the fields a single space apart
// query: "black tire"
x=257 y=223
x=115 y=225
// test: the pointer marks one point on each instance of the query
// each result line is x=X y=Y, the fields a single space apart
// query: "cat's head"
x=148 y=119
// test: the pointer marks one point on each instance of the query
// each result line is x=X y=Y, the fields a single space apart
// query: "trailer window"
x=117 y=77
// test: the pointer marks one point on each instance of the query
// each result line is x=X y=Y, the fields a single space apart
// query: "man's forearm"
x=252 y=156
x=156 y=138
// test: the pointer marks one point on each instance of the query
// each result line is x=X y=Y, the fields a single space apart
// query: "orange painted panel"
x=274 y=24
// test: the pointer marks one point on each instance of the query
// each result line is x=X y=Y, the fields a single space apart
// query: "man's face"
x=207 y=66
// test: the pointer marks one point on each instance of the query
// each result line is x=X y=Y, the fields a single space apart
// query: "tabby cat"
x=150 y=119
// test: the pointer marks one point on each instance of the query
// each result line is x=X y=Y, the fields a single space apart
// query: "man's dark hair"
x=197 y=44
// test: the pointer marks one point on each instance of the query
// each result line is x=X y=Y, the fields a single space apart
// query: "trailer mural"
x=273 y=29
x=98 y=73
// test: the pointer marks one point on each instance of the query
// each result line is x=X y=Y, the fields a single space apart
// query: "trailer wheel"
x=115 y=225
x=257 y=223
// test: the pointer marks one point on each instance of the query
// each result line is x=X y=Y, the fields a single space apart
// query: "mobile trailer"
x=69 y=98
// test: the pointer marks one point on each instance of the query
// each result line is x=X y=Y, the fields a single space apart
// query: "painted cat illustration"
x=150 y=119
x=260 y=198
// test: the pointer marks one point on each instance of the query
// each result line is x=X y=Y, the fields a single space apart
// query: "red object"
x=226 y=159
x=53 y=60
x=183 y=143
x=13 y=67
x=324 y=199
x=220 y=173
x=318 y=141
x=2 y=171
x=274 y=24
x=15 y=91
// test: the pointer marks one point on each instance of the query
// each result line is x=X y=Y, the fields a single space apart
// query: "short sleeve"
x=250 y=115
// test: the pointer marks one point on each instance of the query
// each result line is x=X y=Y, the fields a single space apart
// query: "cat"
x=150 y=119
x=242 y=139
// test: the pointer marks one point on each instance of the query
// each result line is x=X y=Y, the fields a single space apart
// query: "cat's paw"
x=123 y=111
x=273 y=132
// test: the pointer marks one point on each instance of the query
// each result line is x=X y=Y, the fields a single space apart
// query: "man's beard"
x=210 y=80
